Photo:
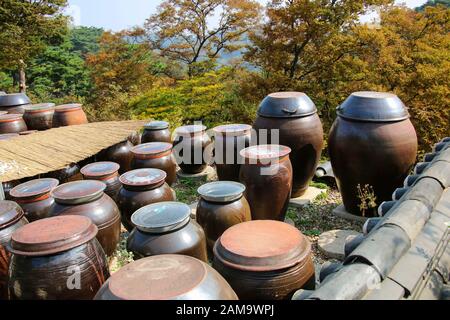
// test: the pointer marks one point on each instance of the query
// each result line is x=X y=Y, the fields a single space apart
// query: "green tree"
x=85 y=40
x=433 y=3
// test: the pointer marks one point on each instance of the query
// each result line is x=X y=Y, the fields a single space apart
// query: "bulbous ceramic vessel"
x=106 y=172
x=39 y=116
x=156 y=131
x=69 y=115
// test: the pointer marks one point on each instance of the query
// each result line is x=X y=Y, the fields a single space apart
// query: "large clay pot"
x=267 y=175
x=69 y=115
x=87 y=198
x=166 y=228
x=14 y=102
x=119 y=153
x=295 y=116
x=265 y=260
x=166 y=277
x=229 y=140
x=106 y=172
x=12 y=123
x=68 y=174
x=11 y=218
x=372 y=145
x=39 y=116
x=56 y=259
x=156 y=131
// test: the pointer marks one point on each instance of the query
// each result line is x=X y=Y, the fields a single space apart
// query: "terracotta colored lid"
x=221 y=191
x=7 y=136
x=52 y=235
x=262 y=245
x=162 y=277
x=27 y=133
x=39 y=107
x=156 y=125
x=14 y=99
x=34 y=188
x=78 y=192
x=286 y=105
x=143 y=177
x=233 y=129
x=265 y=152
x=10 y=117
x=190 y=130
x=161 y=217
x=152 y=149
x=373 y=106
x=99 y=169
x=68 y=107
x=10 y=213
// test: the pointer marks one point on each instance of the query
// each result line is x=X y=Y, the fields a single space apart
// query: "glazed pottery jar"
x=14 y=102
x=229 y=140
x=39 y=116
x=67 y=174
x=47 y=253
x=192 y=148
x=372 y=146
x=166 y=277
x=142 y=187
x=106 y=172
x=87 y=198
x=156 y=131
x=119 y=153
x=267 y=175
x=8 y=136
x=12 y=123
x=156 y=155
x=34 y=197
x=11 y=219
x=265 y=260
x=69 y=115
x=295 y=117
x=166 y=228
x=221 y=206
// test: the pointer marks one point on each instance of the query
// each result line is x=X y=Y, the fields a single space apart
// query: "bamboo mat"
x=54 y=149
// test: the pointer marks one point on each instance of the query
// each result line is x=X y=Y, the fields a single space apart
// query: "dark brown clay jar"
x=87 y=198
x=166 y=277
x=267 y=176
x=156 y=155
x=120 y=154
x=39 y=116
x=11 y=219
x=51 y=255
x=141 y=187
x=229 y=140
x=12 y=123
x=69 y=115
x=373 y=145
x=106 y=172
x=156 y=131
x=265 y=260
x=14 y=103
x=34 y=198
x=300 y=128
x=221 y=206
x=192 y=148
x=68 y=174
x=166 y=228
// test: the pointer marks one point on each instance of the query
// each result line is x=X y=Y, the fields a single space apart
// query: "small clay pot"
x=69 y=115
x=106 y=172
x=39 y=116
x=12 y=123
x=156 y=131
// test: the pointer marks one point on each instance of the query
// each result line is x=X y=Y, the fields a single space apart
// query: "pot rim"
x=12 y=211
x=99 y=169
x=79 y=192
x=11 y=117
x=190 y=130
x=152 y=150
x=68 y=107
x=149 y=177
x=28 y=189
x=39 y=107
x=233 y=130
x=156 y=125
x=212 y=191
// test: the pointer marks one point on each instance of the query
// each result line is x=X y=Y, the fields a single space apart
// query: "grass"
x=186 y=190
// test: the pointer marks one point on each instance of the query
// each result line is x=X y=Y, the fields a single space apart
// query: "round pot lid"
x=7 y=136
x=152 y=148
x=265 y=152
x=52 y=235
x=39 y=107
x=262 y=246
x=233 y=129
x=162 y=277
x=373 y=107
x=287 y=105
x=68 y=107
x=156 y=125
x=100 y=169
x=14 y=99
x=190 y=130
x=143 y=177
x=78 y=192
x=34 y=188
x=161 y=217
x=10 y=213
x=221 y=191
x=10 y=117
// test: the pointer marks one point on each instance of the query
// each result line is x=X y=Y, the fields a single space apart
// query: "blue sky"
x=121 y=14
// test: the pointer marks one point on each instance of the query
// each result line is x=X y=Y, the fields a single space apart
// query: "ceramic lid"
x=10 y=117
x=7 y=136
x=68 y=107
x=14 y=99
x=262 y=245
x=100 y=169
x=78 y=192
x=52 y=235
x=161 y=217
x=221 y=191
x=265 y=152
x=373 y=107
x=10 y=213
x=38 y=107
x=143 y=177
x=34 y=188
x=190 y=130
x=233 y=129
x=152 y=148
x=286 y=105
x=156 y=125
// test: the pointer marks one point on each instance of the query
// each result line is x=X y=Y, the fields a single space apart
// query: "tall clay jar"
x=56 y=259
x=373 y=146
x=39 y=116
x=34 y=197
x=120 y=154
x=156 y=155
x=141 y=187
x=265 y=260
x=12 y=123
x=11 y=218
x=222 y=205
x=267 y=175
x=69 y=115
x=87 y=198
x=106 y=172
x=300 y=128
x=156 y=131
x=192 y=148
x=229 y=140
